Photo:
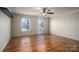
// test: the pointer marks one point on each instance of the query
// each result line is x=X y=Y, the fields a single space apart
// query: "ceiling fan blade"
x=50 y=12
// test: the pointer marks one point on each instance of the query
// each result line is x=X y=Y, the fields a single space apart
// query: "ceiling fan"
x=46 y=11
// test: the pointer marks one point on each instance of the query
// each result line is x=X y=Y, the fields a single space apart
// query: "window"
x=25 y=24
x=41 y=24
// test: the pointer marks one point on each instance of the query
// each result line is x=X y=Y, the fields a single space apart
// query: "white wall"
x=4 y=30
x=66 y=25
x=17 y=29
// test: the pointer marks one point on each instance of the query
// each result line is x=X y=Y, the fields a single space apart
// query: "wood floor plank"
x=42 y=43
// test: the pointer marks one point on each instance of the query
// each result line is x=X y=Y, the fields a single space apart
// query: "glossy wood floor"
x=41 y=43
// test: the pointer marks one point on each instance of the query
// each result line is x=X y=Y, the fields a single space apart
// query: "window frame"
x=22 y=24
x=39 y=26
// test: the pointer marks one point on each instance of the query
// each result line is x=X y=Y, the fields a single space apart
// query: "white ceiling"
x=36 y=10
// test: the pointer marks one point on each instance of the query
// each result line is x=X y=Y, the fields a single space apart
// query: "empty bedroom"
x=39 y=29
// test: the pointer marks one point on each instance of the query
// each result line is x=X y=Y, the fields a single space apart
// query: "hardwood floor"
x=41 y=43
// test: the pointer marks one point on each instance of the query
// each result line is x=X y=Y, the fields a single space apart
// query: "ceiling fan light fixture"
x=44 y=14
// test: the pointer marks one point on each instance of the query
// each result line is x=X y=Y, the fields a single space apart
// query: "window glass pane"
x=41 y=24
x=25 y=24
